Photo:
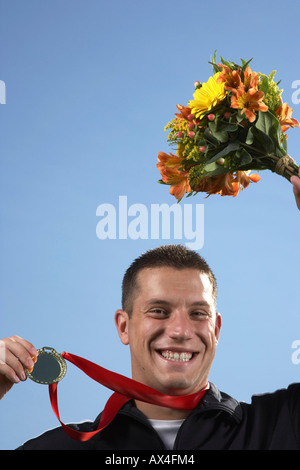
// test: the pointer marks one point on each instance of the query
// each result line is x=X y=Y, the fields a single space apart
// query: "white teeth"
x=175 y=356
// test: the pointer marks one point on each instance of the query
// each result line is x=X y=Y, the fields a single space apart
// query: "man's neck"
x=161 y=412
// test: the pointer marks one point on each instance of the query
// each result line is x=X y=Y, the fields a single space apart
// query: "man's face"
x=173 y=330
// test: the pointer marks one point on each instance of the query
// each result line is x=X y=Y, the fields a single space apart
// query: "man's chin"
x=177 y=387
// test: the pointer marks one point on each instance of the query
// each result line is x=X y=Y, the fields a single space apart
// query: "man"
x=169 y=320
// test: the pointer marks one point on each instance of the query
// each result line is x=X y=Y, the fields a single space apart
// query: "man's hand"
x=15 y=354
x=296 y=188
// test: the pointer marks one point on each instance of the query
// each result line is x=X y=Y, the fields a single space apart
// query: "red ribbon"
x=125 y=389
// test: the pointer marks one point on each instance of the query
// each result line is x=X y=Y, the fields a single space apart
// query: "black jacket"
x=271 y=421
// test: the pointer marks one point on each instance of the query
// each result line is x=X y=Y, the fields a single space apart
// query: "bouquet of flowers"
x=235 y=124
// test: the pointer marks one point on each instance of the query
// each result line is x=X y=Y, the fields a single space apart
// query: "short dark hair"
x=174 y=256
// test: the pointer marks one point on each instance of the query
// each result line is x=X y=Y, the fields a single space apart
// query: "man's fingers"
x=15 y=355
x=11 y=374
x=20 y=346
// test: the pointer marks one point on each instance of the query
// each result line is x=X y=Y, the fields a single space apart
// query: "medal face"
x=49 y=368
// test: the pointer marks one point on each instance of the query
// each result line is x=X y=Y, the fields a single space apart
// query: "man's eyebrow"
x=198 y=303
x=158 y=301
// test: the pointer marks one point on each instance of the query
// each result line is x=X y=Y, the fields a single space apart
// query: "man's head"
x=169 y=319
x=173 y=256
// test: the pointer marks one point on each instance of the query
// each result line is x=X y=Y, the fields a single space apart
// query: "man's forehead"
x=170 y=275
x=162 y=283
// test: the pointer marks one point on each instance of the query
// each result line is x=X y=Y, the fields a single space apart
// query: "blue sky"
x=89 y=89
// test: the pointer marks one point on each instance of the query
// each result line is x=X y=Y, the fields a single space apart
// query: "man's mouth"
x=184 y=356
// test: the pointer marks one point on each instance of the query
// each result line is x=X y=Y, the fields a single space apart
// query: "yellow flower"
x=209 y=95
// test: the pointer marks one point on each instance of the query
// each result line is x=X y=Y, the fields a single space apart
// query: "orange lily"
x=228 y=184
x=231 y=78
x=216 y=185
x=250 y=79
x=184 y=112
x=284 y=114
x=169 y=170
x=233 y=81
x=244 y=178
x=249 y=102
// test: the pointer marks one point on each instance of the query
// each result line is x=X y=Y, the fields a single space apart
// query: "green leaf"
x=213 y=62
x=268 y=123
x=192 y=193
x=225 y=126
x=231 y=65
x=245 y=158
x=263 y=135
x=209 y=137
x=265 y=122
x=221 y=136
x=240 y=116
x=220 y=129
x=250 y=137
x=245 y=64
x=231 y=147
x=212 y=169
x=284 y=143
x=259 y=140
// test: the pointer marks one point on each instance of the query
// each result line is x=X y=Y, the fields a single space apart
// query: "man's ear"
x=218 y=325
x=121 y=321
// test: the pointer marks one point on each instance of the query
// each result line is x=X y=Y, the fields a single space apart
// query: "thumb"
x=296 y=188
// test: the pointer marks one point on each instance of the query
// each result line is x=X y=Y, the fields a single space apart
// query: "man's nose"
x=179 y=326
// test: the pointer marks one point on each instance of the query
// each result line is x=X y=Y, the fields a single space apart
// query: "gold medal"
x=49 y=368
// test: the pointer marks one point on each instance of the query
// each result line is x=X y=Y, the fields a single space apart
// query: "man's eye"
x=200 y=314
x=158 y=311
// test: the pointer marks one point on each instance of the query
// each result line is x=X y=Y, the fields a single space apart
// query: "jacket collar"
x=212 y=400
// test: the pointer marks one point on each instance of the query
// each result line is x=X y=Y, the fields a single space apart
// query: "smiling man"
x=170 y=322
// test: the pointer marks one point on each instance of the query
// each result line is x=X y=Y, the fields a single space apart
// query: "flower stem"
x=284 y=166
